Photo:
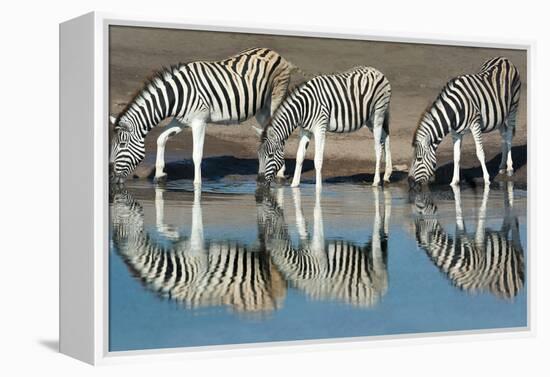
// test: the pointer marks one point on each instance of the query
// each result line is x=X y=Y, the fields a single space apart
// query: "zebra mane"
x=291 y=92
x=426 y=114
x=150 y=80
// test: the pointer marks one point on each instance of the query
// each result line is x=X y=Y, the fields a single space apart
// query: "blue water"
x=410 y=293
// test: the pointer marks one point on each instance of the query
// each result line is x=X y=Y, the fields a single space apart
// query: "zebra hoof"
x=160 y=179
x=510 y=173
x=375 y=183
x=280 y=180
x=501 y=171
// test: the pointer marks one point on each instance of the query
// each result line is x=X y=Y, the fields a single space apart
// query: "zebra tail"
x=386 y=124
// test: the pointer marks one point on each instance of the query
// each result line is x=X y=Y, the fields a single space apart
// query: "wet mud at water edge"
x=232 y=265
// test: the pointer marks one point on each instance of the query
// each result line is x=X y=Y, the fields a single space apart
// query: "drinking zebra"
x=490 y=261
x=334 y=270
x=230 y=91
x=342 y=102
x=190 y=270
x=477 y=103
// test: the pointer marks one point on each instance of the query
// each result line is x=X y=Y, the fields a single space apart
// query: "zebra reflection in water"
x=490 y=261
x=335 y=270
x=191 y=270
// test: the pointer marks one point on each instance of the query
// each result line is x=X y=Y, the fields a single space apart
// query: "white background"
x=29 y=184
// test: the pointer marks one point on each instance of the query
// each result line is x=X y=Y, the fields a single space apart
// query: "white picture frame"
x=84 y=153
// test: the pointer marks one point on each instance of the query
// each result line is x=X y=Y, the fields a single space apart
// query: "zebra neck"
x=431 y=131
x=153 y=103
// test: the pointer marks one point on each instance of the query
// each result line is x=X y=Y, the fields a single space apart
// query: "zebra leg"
x=305 y=137
x=160 y=175
x=199 y=128
x=389 y=166
x=457 y=140
x=319 y=151
x=377 y=132
x=507 y=133
x=476 y=133
x=504 y=150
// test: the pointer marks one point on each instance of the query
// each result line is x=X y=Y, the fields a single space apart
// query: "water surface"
x=231 y=265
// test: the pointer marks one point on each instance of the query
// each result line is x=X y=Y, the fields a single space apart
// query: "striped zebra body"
x=478 y=103
x=229 y=91
x=339 y=103
x=191 y=271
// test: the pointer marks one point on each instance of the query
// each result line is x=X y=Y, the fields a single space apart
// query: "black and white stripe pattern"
x=340 y=103
x=490 y=261
x=478 y=103
x=230 y=91
x=193 y=272
x=328 y=270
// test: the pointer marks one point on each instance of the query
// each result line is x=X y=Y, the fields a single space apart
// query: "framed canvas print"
x=231 y=189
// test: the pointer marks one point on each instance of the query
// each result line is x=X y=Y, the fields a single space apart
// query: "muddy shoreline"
x=416 y=73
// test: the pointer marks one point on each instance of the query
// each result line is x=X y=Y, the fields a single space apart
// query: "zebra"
x=343 y=102
x=335 y=270
x=478 y=103
x=230 y=91
x=192 y=271
x=490 y=261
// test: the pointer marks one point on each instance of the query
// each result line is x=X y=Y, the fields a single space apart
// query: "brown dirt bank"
x=416 y=73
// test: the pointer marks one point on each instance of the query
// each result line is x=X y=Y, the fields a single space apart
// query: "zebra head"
x=127 y=149
x=423 y=163
x=271 y=159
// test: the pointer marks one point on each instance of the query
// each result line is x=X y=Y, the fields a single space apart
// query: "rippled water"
x=231 y=265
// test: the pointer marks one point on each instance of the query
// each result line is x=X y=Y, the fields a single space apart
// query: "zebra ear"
x=259 y=131
x=112 y=119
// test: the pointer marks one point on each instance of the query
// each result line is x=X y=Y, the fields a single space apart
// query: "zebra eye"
x=418 y=159
x=122 y=144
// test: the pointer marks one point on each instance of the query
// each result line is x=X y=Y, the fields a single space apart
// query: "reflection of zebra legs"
x=380 y=228
x=317 y=242
x=300 y=220
x=482 y=215
x=166 y=230
x=197 y=234
x=387 y=210
x=510 y=222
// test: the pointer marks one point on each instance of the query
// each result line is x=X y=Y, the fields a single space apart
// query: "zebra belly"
x=218 y=117
x=337 y=127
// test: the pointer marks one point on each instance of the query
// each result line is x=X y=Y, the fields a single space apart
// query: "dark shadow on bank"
x=474 y=176
x=220 y=167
